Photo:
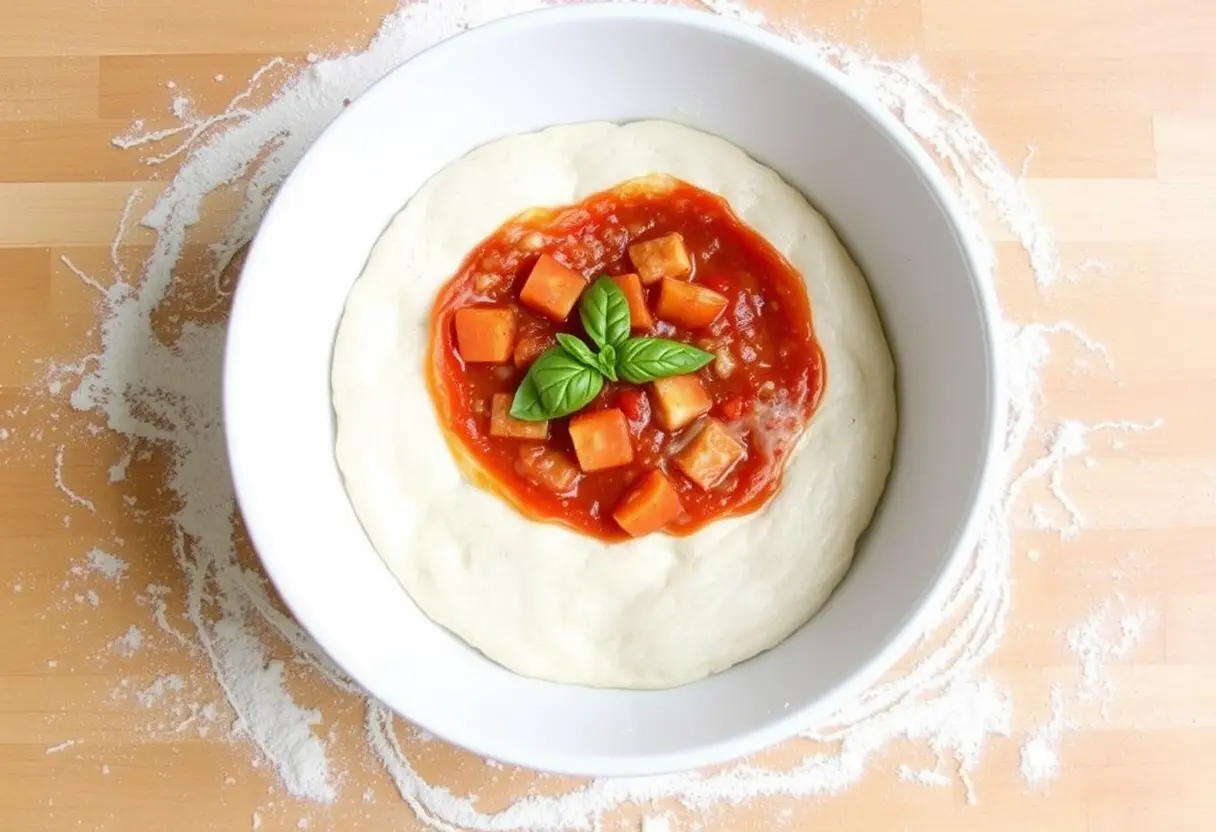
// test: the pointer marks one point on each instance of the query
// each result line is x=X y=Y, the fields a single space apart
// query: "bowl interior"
x=520 y=75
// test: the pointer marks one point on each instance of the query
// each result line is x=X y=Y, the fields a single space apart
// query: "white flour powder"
x=167 y=395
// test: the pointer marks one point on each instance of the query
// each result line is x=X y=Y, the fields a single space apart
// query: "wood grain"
x=1117 y=99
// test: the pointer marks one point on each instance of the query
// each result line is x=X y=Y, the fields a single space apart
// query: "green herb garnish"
x=567 y=377
x=640 y=360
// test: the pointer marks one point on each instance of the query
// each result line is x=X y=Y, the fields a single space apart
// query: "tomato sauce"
x=765 y=382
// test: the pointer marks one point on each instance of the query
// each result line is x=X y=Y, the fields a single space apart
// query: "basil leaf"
x=605 y=313
x=607 y=361
x=578 y=350
x=563 y=383
x=526 y=405
x=640 y=360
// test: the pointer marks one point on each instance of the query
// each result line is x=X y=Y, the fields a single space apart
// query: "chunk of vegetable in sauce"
x=530 y=347
x=552 y=289
x=636 y=407
x=485 y=334
x=601 y=439
x=551 y=470
x=679 y=401
x=649 y=506
x=504 y=425
x=688 y=305
x=710 y=456
x=635 y=295
x=665 y=256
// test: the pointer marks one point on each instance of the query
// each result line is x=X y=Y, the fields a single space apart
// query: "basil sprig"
x=640 y=360
x=566 y=378
x=605 y=313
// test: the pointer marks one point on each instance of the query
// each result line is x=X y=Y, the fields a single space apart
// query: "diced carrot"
x=649 y=506
x=710 y=456
x=550 y=469
x=530 y=347
x=679 y=400
x=601 y=439
x=631 y=287
x=552 y=289
x=503 y=424
x=661 y=257
x=688 y=305
x=485 y=334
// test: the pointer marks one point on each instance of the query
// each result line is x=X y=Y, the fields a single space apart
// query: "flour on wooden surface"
x=105 y=564
x=1108 y=633
x=165 y=394
x=128 y=643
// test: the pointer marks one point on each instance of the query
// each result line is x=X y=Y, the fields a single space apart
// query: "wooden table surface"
x=1118 y=100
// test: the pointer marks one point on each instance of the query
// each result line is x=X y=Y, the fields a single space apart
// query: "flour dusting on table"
x=163 y=393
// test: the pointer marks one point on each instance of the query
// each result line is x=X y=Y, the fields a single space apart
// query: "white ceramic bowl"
x=620 y=63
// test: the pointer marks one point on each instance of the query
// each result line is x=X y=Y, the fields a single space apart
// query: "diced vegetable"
x=601 y=439
x=503 y=424
x=649 y=506
x=732 y=408
x=631 y=287
x=661 y=257
x=710 y=456
x=552 y=289
x=679 y=400
x=550 y=469
x=485 y=334
x=636 y=407
x=530 y=347
x=688 y=305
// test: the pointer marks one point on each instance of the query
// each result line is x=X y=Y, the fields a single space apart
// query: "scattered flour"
x=72 y=496
x=923 y=776
x=660 y=823
x=152 y=694
x=106 y=565
x=128 y=643
x=166 y=394
x=1111 y=631
x=1039 y=760
x=63 y=746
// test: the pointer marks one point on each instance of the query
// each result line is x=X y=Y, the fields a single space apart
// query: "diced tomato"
x=485 y=334
x=635 y=295
x=636 y=407
x=550 y=469
x=679 y=401
x=503 y=424
x=552 y=289
x=710 y=456
x=601 y=439
x=665 y=256
x=732 y=408
x=688 y=305
x=530 y=348
x=650 y=505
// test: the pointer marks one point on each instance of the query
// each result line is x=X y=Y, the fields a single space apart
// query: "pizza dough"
x=546 y=601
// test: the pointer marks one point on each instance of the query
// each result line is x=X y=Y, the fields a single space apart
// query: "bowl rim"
x=984 y=491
